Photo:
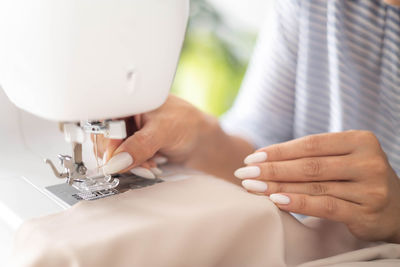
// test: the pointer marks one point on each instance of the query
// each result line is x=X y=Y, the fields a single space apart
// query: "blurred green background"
x=213 y=61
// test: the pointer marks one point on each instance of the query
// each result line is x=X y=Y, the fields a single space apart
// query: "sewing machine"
x=86 y=65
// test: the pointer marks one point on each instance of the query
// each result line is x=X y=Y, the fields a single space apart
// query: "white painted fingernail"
x=105 y=158
x=255 y=186
x=118 y=163
x=143 y=172
x=157 y=171
x=160 y=160
x=280 y=199
x=256 y=158
x=248 y=172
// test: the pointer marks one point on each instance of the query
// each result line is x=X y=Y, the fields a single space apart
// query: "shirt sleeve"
x=264 y=109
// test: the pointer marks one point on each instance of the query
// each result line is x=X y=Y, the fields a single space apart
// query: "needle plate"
x=70 y=195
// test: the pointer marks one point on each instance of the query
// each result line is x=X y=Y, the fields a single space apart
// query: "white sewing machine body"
x=66 y=60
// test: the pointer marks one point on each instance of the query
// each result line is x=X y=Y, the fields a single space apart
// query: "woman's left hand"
x=344 y=177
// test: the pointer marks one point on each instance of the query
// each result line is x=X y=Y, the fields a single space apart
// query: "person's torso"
x=348 y=70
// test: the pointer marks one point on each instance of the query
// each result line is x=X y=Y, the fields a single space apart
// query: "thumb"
x=135 y=150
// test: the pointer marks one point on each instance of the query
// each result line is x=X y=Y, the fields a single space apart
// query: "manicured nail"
x=248 y=172
x=118 y=163
x=160 y=160
x=105 y=158
x=143 y=172
x=256 y=158
x=255 y=186
x=157 y=171
x=280 y=199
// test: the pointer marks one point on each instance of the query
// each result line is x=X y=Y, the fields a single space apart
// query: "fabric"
x=201 y=221
x=323 y=66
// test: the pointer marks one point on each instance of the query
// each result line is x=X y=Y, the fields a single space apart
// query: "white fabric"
x=201 y=221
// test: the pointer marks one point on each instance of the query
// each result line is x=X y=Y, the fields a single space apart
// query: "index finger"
x=111 y=146
x=105 y=146
x=327 y=144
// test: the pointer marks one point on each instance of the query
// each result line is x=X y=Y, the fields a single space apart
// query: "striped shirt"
x=323 y=66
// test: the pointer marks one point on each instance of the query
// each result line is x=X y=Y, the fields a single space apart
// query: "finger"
x=303 y=170
x=135 y=150
x=341 y=190
x=327 y=144
x=143 y=172
x=103 y=142
x=146 y=165
x=327 y=207
x=152 y=164
x=160 y=160
x=110 y=146
x=153 y=168
x=157 y=171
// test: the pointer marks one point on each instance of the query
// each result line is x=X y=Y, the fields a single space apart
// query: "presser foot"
x=96 y=183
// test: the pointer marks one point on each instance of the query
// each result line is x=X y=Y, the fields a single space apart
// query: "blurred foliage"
x=213 y=61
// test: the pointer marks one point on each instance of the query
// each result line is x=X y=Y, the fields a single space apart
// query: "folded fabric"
x=201 y=221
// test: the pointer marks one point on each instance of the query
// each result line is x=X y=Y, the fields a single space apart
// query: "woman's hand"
x=171 y=130
x=344 y=177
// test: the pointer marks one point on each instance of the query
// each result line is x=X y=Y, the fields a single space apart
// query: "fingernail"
x=280 y=199
x=143 y=172
x=255 y=186
x=157 y=171
x=160 y=160
x=256 y=158
x=105 y=158
x=248 y=172
x=118 y=163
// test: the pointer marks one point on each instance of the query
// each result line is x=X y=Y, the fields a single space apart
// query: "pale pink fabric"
x=201 y=221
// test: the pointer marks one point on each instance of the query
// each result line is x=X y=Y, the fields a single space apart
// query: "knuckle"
x=276 y=151
x=318 y=189
x=378 y=166
x=302 y=203
x=379 y=197
x=383 y=192
x=368 y=213
x=311 y=143
x=330 y=206
x=355 y=133
x=146 y=140
x=281 y=188
x=367 y=137
x=381 y=167
x=312 y=167
x=351 y=132
x=272 y=170
x=142 y=137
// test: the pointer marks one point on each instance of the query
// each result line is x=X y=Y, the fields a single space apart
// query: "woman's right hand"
x=173 y=130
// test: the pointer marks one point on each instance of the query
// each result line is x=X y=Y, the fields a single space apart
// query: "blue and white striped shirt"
x=323 y=66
